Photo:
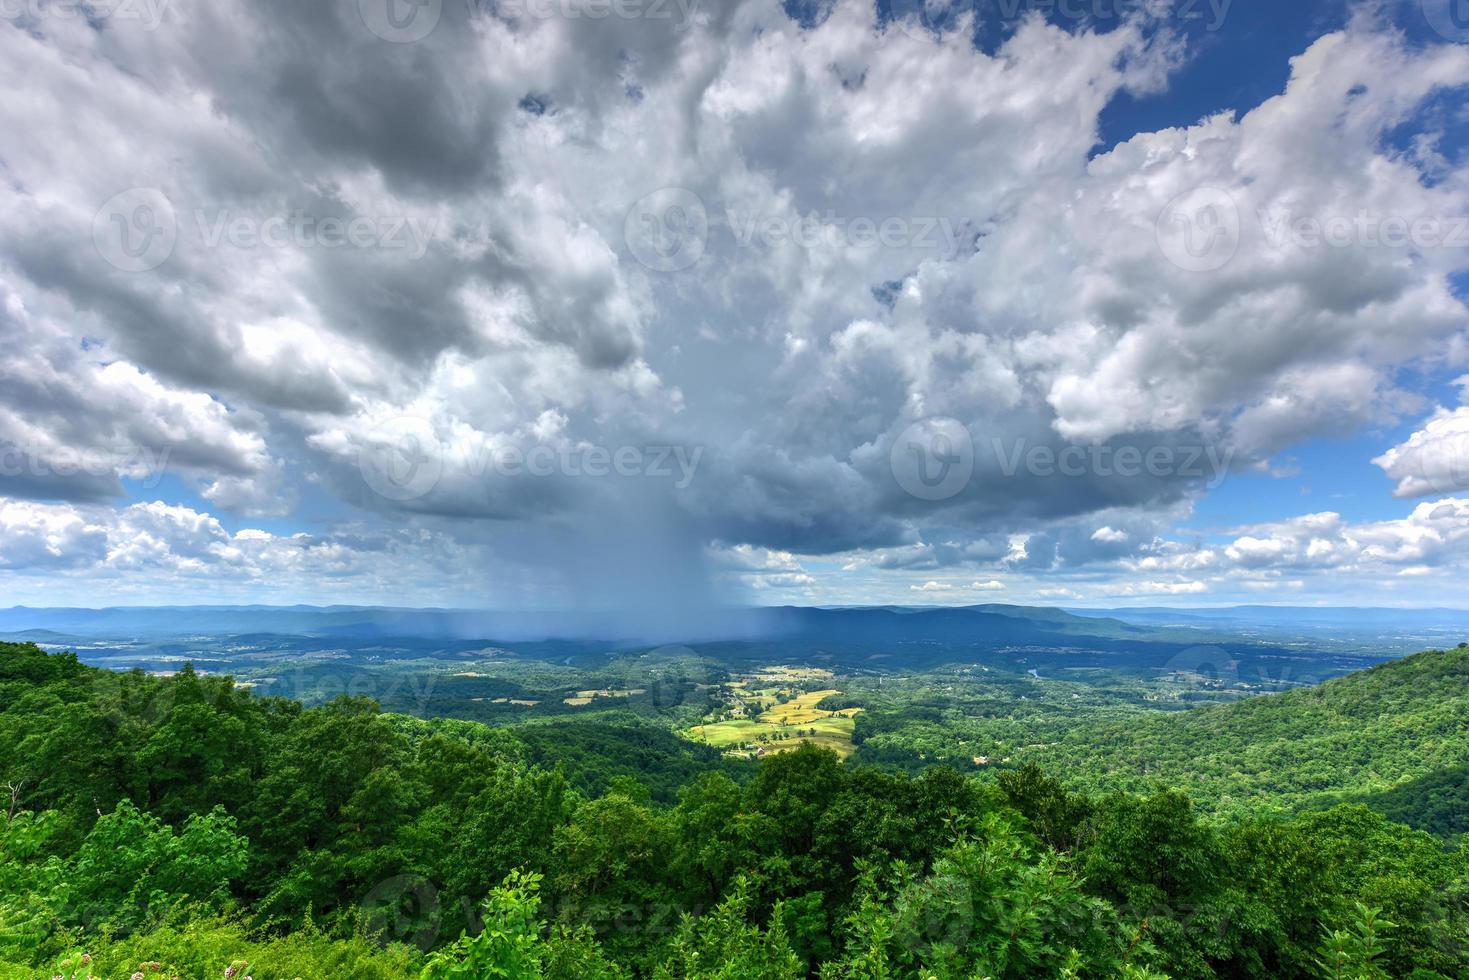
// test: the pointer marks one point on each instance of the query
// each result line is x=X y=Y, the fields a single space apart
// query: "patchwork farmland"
x=767 y=712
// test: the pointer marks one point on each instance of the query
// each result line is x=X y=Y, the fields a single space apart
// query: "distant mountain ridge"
x=1019 y=638
x=1297 y=615
x=1366 y=631
x=774 y=622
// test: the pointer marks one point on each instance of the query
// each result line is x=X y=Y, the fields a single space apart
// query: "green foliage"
x=724 y=946
x=1359 y=734
x=177 y=826
x=509 y=944
x=1353 y=952
x=992 y=906
x=593 y=753
x=203 y=948
x=1054 y=814
x=1437 y=802
x=133 y=867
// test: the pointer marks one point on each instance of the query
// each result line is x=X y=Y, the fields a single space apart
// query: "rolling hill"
x=1372 y=735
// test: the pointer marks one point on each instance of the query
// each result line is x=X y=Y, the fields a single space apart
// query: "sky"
x=660 y=305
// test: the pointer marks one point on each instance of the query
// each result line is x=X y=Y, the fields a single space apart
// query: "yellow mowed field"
x=796 y=718
x=802 y=709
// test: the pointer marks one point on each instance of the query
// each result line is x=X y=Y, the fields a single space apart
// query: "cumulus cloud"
x=75 y=420
x=159 y=550
x=1435 y=459
x=1432 y=534
x=312 y=262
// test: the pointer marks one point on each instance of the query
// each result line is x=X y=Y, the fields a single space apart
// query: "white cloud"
x=75 y=419
x=161 y=550
x=35 y=536
x=1435 y=459
x=1018 y=286
x=1433 y=534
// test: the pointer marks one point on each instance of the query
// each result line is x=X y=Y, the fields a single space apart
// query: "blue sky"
x=680 y=305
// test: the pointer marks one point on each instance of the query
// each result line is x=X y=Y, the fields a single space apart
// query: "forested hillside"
x=184 y=827
x=1368 y=733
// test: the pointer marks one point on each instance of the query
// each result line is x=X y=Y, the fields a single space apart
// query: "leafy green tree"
x=511 y=945
x=992 y=907
x=724 y=946
x=1055 y=815
x=133 y=867
x=1354 y=951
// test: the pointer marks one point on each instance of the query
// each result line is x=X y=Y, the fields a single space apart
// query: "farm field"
x=780 y=726
x=587 y=697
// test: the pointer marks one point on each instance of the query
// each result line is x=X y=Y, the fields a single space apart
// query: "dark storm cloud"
x=319 y=89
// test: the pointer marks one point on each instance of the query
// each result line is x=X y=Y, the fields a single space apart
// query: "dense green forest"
x=1358 y=736
x=186 y=827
